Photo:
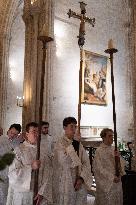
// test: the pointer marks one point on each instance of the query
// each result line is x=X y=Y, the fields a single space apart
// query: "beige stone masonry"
x=35 y=16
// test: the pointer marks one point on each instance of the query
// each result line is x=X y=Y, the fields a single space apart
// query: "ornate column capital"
x=30 y=10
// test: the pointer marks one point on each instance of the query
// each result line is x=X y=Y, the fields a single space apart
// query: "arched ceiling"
x=7 y=13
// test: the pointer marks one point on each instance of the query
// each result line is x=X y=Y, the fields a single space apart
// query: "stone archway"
x=34 y=21
x=8 y=9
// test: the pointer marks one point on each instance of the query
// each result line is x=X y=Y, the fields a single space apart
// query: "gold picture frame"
x=94 y=79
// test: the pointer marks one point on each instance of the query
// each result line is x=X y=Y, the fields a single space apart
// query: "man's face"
x=32 y=135
x=70 y=130
x=45 y=129
x=108 y=139
x=130 y=146
x=12 y=133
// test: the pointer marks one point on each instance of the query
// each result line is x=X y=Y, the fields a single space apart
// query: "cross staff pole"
x=81 y=40
x=44 y=40
x=111 y=51
x=80 y=88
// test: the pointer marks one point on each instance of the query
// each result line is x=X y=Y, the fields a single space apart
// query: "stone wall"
x=16 y=68
x=112 y=22
x=62 y=80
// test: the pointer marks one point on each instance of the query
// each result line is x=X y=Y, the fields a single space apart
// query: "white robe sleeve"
x=73 y=155
x=19 y=173
x=45 y=189
x=102 y=175
x=85 y=168
x=63 y=183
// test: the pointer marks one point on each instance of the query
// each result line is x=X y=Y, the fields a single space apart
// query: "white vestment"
x=46 y=150
x=67 y=165
x=21 y=176
x=5 y=147
x=107 y=191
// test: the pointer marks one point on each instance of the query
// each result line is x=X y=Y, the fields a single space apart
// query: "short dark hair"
x=44 y=123
x=69 y=120
x=16 y=126
x=104 y=132
x=128 y=143
x=31 y=124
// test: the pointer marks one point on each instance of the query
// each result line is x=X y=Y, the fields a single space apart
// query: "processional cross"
x=81 y=40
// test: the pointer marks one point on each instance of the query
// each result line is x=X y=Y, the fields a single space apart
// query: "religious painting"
x=94 y=79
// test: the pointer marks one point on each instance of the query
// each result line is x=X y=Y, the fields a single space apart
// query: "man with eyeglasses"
x=21 y=171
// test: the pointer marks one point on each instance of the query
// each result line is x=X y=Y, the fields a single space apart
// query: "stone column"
x=48 y=18
x=133 y=47
x=4 y=55
x=35 y=16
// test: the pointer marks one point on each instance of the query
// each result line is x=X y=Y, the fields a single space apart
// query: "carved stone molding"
x=34 y=19
x=5 y=28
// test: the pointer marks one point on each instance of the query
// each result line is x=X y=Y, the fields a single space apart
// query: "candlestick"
x=111 y=50
x=45 y=31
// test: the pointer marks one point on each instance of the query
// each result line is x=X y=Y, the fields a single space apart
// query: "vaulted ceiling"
x=7 y=13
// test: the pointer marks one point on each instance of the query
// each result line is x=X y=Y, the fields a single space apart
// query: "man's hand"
x=38 y=199
x=116 y=179
x=116 y=153
x=36 y=164
x=77 y=136
x=78 y=184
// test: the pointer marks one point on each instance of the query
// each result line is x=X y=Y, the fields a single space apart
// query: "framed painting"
x=94 y=79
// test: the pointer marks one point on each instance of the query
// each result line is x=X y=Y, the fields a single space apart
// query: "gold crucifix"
x=83 y=18
x=81 y=40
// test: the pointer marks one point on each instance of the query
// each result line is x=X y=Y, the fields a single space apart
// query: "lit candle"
x=110 y=44
x=33 y=1
x=17 y=98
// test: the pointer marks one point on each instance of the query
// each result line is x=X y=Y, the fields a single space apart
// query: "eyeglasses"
x=34 y=132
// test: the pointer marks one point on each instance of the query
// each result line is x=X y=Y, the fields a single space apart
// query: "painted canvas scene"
x=94 y=79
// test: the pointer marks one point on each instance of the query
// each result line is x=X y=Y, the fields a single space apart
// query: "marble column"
x=35 y=16
x=133 y=51
x=4 y=55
